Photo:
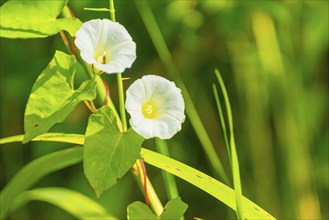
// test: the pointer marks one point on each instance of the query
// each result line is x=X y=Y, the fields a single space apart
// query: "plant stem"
x=119 y=81
x=150 y=192
x=169 y=179
x=122 y=102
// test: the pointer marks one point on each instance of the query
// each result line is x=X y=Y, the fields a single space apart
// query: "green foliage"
x=75 y=203
x=34 y=171
x=53 y=96
x=173 y=210
x=204 y=182
x=35 y=19
x=108 y=153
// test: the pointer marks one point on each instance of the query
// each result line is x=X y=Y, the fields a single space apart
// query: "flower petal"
x=97 y=38
x=167 y=99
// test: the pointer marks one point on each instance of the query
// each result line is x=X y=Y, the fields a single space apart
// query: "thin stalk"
x=119 y=81
x=169 y=179
x=148 y=189
x=153 y=198
x=122 y=102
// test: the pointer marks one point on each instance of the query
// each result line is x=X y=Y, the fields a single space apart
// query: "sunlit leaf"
x=138 y=210
x=71 y=201
x=173 y=210
x=35 y=19
x=108 y=153
x=34 y=171
x=53 y=96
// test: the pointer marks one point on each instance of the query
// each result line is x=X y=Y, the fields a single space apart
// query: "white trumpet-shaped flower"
x=106 y=45
x=156 y=107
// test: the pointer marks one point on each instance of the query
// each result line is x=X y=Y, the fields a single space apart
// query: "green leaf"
x=138 y=210
x=108 y=153
x=53 y=96
x=174 y=209
x=34 y=171
x=35 y=19
x=75 y=203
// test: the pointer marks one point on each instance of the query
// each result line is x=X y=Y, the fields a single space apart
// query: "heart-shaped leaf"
x=108 y=153
x=138 y=210
x=174 y=209
x=35 y=19
x=53 y=96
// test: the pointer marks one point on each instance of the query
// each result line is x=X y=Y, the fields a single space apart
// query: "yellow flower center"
x=102 y=58
x=150 y=110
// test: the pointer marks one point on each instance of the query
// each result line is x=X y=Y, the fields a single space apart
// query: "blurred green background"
x=273 y=56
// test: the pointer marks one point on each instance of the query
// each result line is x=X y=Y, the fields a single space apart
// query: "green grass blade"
x=165 y=56
x=235 y=161
x=222 y=122
x=168 y=179
x=55 y=137
x=34 y=171
x=75 y=203
x=204 y=182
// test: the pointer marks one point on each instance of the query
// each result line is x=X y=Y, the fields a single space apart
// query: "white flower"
x=156 y=107
x=106 y=45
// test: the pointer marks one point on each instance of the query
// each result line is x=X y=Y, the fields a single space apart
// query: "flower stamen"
x=150 y=110
x=102 y=59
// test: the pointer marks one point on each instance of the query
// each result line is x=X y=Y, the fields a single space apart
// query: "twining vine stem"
x=150 y=194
